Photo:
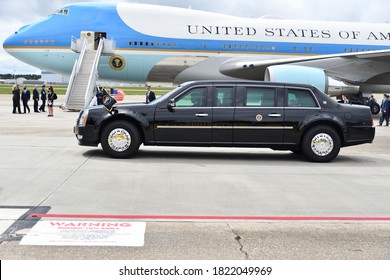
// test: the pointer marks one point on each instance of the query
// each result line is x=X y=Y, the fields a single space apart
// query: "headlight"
x=83 y=118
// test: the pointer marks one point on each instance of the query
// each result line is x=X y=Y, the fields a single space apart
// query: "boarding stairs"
x=82 y=83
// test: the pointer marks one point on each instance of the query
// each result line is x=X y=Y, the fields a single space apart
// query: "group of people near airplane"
x=47 y=99
x=385 y=107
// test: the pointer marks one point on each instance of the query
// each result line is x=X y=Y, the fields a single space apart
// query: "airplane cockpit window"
x=62 y=12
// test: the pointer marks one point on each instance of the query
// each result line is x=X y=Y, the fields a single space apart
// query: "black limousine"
x=279 y=116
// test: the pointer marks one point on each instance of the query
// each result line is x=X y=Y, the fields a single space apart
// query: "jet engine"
x=318 y=78
x=312 y=76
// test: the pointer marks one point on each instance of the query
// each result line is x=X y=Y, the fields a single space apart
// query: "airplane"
x=167 y=44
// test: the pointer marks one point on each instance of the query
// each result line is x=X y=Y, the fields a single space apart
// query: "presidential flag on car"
x=108 y=101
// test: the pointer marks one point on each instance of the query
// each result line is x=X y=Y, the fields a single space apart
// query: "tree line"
x=26 y=76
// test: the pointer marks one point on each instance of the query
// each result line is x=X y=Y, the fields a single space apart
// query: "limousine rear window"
x=259 y=97
x=300 y=98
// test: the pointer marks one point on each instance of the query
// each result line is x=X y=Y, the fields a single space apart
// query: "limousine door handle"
x=201 y=115
x=274 y=115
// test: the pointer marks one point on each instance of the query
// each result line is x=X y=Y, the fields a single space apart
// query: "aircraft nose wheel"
x=375 y=109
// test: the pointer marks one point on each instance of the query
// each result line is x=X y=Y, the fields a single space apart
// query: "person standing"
x=36 y=99
x=98 y=39
x=150 y=96
x=371 y=102
x=387 y=117
x=99 y=96
x=50 y=101
x=385 y=110
x=25 y=98
x=43 y=99
x=16 y=99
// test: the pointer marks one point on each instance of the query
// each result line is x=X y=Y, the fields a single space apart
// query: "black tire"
x=120 y=139
x=321 y=144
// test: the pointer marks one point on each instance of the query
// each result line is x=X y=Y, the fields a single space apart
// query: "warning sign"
x=86 y=233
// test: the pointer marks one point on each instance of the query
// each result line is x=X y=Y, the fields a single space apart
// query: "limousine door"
x=189 y=121
x=223 y=114
x=258 y=120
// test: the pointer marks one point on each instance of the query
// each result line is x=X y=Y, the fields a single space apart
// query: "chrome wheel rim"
x=119 y=140
x=322 y=144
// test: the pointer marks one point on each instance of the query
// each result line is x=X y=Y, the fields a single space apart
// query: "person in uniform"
x=43 y=99
x=99 y=96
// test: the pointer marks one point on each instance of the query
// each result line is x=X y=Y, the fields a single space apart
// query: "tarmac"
x=197 y=203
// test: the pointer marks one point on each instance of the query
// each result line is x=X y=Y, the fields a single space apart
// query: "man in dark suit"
x=386 y=106
x=43 y=99
x=36 y=99
x=16 y=99
x=25 y=98
x=150 y=96
x=98 y=39
x=385 y=110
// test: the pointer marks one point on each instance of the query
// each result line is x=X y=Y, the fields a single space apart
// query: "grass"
x=61 y=90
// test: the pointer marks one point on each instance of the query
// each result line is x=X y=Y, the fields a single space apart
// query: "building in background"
x=54 y=78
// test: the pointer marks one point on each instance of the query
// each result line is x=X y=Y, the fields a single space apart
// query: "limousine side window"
x=196 y=97
x=300 y=98
x=259 y=97
x=223 y=97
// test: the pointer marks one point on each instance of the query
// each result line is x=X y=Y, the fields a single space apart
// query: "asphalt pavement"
x=197 y=203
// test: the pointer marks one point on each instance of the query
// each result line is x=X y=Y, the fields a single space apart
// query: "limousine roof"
x=245 y=82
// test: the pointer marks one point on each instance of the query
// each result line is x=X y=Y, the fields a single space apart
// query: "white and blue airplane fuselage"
x=167 y=44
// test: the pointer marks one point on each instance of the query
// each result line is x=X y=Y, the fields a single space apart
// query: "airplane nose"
x=15 y=39
x=11 y=42
x=14 y=46
x=8 y=42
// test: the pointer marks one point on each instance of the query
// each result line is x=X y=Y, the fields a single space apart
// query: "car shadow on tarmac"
x=265 y=155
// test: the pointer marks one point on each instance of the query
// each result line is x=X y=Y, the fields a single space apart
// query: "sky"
x=15 y=14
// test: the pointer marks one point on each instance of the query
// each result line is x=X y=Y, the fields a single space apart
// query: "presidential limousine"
x=279 y=116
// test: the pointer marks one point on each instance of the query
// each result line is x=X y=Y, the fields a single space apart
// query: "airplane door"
x=97 y=37
x=90 y=37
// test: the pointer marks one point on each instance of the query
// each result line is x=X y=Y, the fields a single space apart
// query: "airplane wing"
x=372 y=67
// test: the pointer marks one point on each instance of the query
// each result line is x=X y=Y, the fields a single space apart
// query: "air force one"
x=167 y=44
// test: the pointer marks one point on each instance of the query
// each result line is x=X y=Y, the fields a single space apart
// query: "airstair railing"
x=109 y=47
x=75 y=71
x=93 y=101
x=90 y=93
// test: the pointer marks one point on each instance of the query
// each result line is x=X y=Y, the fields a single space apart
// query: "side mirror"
x=171 y=105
